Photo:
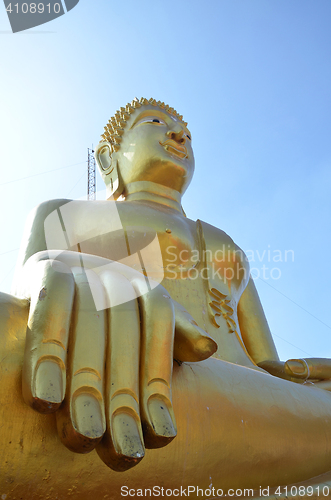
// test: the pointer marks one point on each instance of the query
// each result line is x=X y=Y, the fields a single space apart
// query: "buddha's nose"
x=177 y=136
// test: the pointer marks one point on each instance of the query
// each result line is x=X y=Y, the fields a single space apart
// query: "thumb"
x=191 y=342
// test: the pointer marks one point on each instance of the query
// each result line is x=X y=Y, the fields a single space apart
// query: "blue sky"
x=252 y=78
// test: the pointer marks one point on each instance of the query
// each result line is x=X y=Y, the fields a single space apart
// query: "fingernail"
x=206 y=347
x=296 y=367
x=87 y=416
x=160 y=417
x=126 y=436
x=48 y=383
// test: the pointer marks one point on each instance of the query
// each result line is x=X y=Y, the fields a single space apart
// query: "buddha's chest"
x=175 y=236
x=116 y=231
x=171 y=243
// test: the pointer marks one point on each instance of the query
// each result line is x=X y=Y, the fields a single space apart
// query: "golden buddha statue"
x=147 y=357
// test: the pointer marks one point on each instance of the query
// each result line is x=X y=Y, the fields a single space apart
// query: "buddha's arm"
x=260 y=345
x=254 y=326
x=33 y=240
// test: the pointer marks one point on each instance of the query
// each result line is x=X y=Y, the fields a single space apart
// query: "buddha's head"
x=145 y=141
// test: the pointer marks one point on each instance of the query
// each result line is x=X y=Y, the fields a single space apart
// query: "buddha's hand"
x=312 y=371
x=99 y=351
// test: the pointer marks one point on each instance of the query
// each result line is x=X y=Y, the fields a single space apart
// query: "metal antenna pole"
x=91 y=182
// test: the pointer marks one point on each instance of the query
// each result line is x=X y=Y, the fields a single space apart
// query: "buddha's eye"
x=152 y=119
x=188 y=136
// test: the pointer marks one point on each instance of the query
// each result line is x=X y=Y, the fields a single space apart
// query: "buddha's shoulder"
x=214 y=234
x=47 y=207
x=68 y=206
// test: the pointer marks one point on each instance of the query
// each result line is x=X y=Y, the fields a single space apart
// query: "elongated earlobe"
x=113 y=184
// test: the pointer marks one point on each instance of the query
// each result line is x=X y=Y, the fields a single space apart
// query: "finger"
x=81 y=420
x=122 y=446
x=44 y=372
x=191 y=342
x=297 y=368
x=158 y=324
x=312 y=368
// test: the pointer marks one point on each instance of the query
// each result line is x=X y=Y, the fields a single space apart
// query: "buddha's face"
x=156 y=147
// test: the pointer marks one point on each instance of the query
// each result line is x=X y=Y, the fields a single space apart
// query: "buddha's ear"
x=108 y=167
x=103 y=156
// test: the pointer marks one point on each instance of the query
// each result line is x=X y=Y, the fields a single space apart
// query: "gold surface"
x=109 y=298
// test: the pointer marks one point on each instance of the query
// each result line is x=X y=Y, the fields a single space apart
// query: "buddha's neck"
x=150 y=191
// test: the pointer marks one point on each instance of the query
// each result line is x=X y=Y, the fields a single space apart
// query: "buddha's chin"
x=175 y=176
x=176 y=165
x=166 y=170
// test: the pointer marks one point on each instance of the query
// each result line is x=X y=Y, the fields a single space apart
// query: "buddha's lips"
x=174 y=148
